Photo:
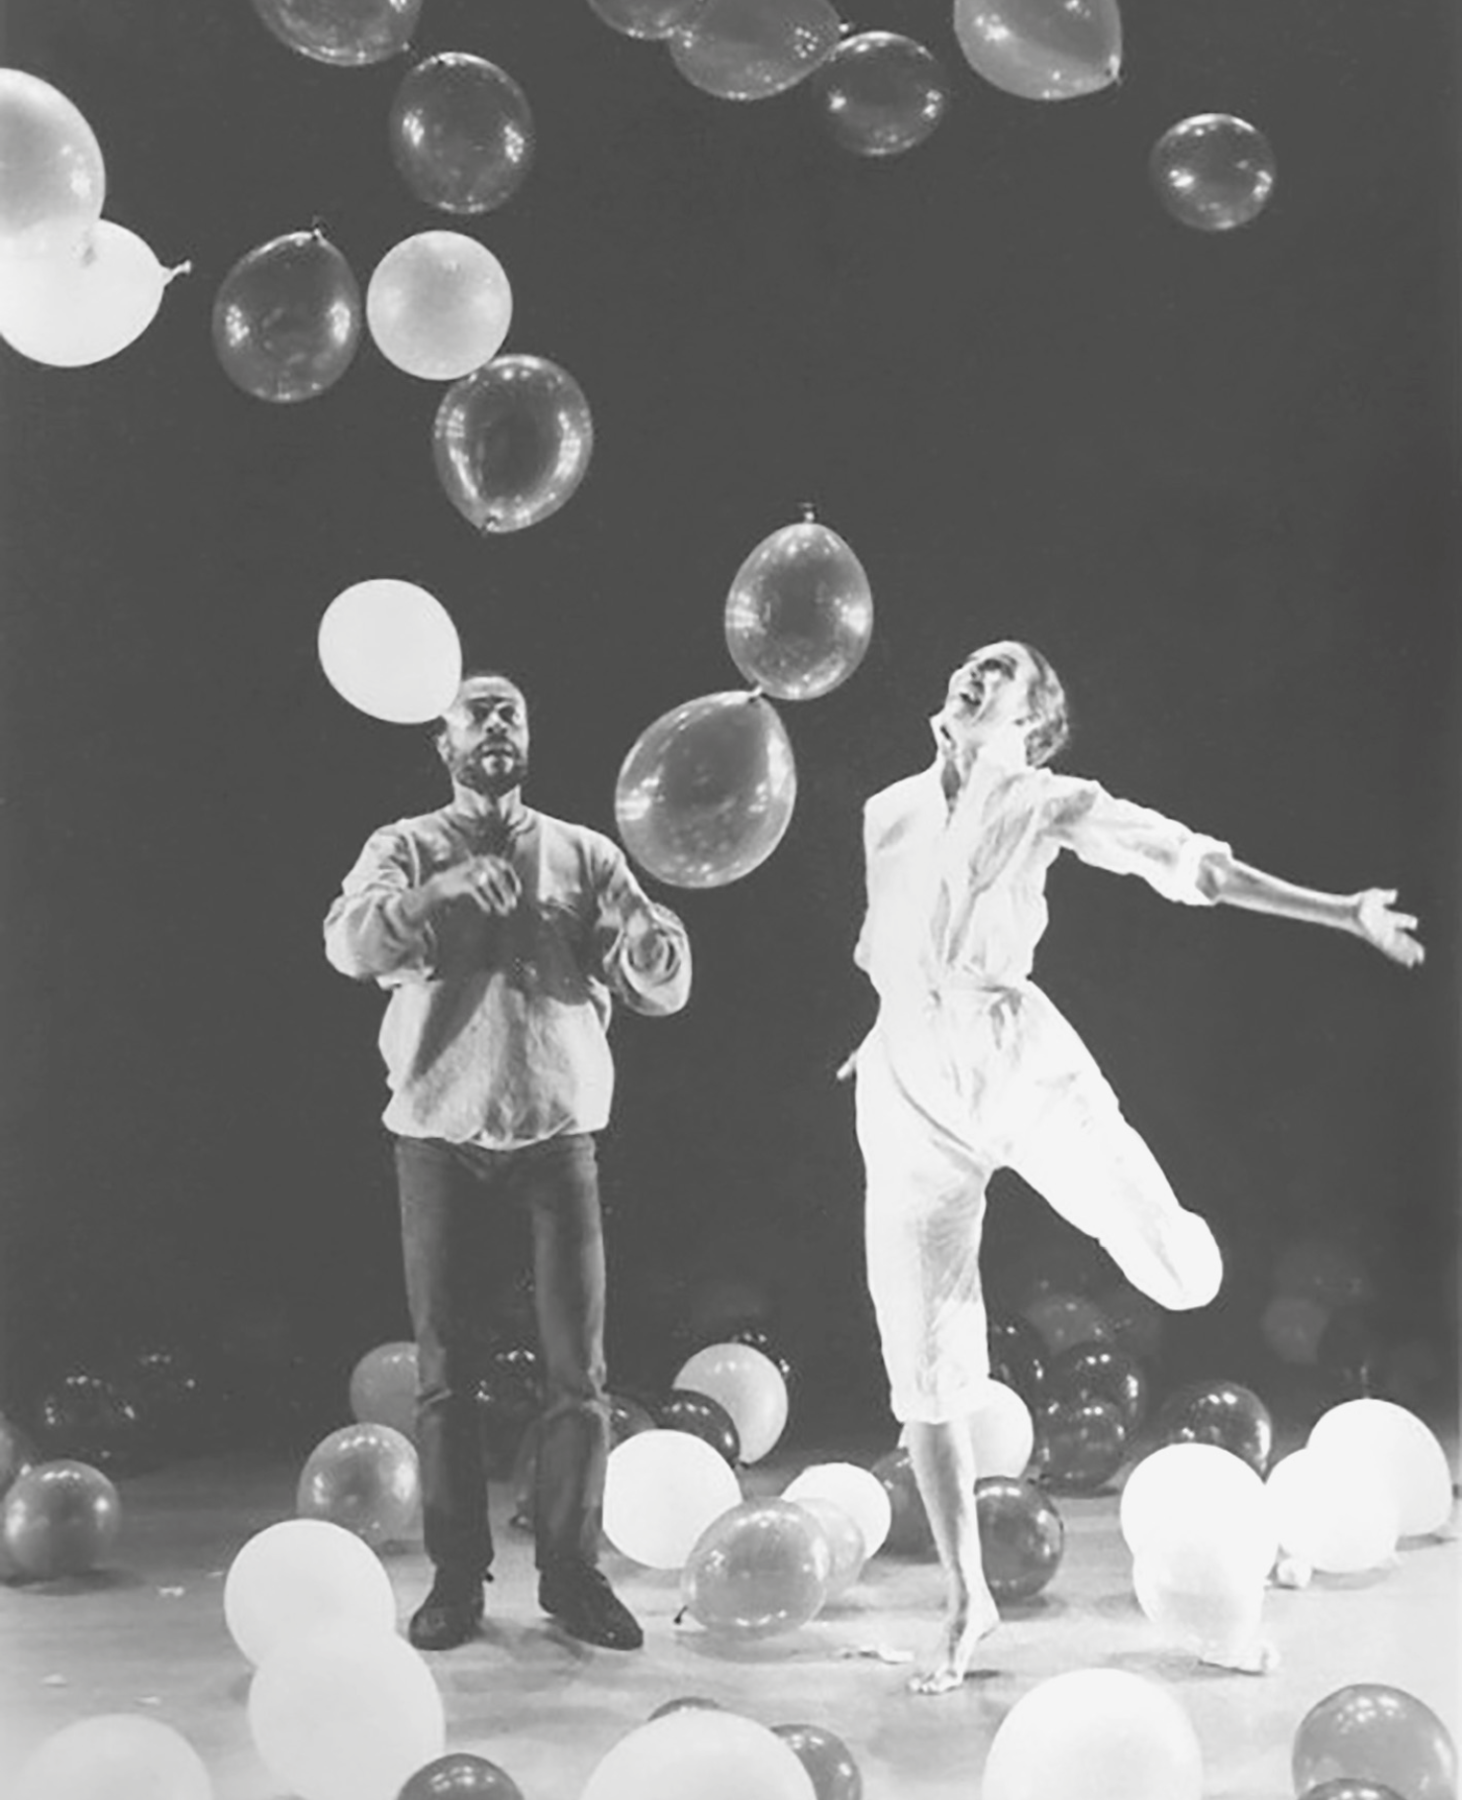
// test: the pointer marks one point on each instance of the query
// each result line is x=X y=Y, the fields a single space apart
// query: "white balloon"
x=703 y=1752
x=439 y=305
x=1003 y=1431
x=82 y=305
x=1100 y=1733
x=391 y=649
x=1205 y=1595
x=661 y=1490
x=749 y=1385
x=1334 y=1517
x=1197 y=1493
x=302 y=1576
x=857 y=1490
x=114 y=1756
x=1381 y=1435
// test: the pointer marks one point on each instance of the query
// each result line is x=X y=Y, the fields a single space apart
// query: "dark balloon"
x=751 y=49
x=1018 y=1357
x=627 y=1418
x=881 y=94
x=1021 y=1537
x=688 y=1703
x=60 y=1518
x=510 y=1396
x=1222 y=1413
x=287 y=318
x=759 y=1339
x=461 y=133
x=1375 y=1734
x=461 y=1776
x=909 y=1532
x=685 y=1410
x=827 y=1760
x=1101 y=1372
x=1080 y=1444
x=347 y=33
x=647 y=18
x=512 y=441
x=90 y=1418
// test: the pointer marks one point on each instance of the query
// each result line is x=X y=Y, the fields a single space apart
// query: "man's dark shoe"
x=450 y=1614
x=582 y=1601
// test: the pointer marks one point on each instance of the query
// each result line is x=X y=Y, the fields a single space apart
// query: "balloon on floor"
x=758 y=1570
x=1372 y=1732
x=60 y=1518
x=705 y=1751
x=1022 y=1536
x=1101 y=1733
x=366 y=1478
x=662 y=1489
x=114 y=1756
x=826 y=1758
x=383 y=1387
x=855 y=1490
x=1378 y=1434
x=1334 y=1516
x=303 y=1576
x=1187 y=1493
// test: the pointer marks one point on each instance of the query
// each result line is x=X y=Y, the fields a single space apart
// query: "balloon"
x=60 y=1518
x=461 y=1776
x=1196 y=1492
x=1293 y=1325
x=1022 y=1536
x=342 y=1715
x=826 y=1758
x=691 y=1702
x=114 y=1756
x=1018 y=1356
x=286 y=319
x=706 y=793
x=647 y=18
x=1003 y=1431
x=1101 y=1372
x=52 y=179
x=438 y=305
x=383 y=1387
x=1222 y=1413
x=1135 y=1321
x=512 y=442
x=799 y=613
x=1371 y=1732
x=749 y=1386
x=1080 y=1444
x=461 y=133
x=391 y=650
x=762 y=1340
x=83 y=304
x=627 y=1418
x=1101 y=1733
x=751 y=49
x=510 y=1395
x=1207 y=1596
x=1041 y=49
x=1213 y=171
x=661 y=1491
x=347 y=33
x=1380 y=1435
x=1064 y=1320
x=759 y=1569
x=1351 y=1787
x=846 y=1548
x=300 y=1577
x=704 y=1751
x=1333 y=1517
x=854 y=1490
x=366 y=1478
x=909 y=1531
x=702 y=1416
x=17 y=1454
x=90 y=1417
x=881 y=94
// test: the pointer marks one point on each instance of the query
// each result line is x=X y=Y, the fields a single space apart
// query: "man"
x=970 y=1068
x=502 y=935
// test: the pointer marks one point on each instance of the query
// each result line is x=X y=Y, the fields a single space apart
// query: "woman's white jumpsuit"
x=970 y=1068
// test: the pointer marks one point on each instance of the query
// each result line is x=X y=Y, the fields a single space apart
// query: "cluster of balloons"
x=75 y=288
x=706 y=793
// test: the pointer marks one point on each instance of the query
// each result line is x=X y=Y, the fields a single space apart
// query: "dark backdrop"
x=1213 y=477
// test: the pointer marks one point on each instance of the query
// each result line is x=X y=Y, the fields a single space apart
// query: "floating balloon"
x=83 y=304
x=286 y=319
x=881 y=94
x=1080 y=1444
x=114 y=1756
x=366 y=1478
x=706 y=792
x=701 y=1750
x=1335 y=1517
x=91 y=1418
x=647 y=18
x=1379 y=1435
x=909 y=1531
x=1101 y=1372
x=750 y=1387
x=661 y=1491
x=826 y=1758
x=461 y=133
x=759 y=1569
x=461 y=1776
x=1371 y=1732
x=854 y=1490
x=1293 y=1325
x=347 y=33
x=512 y=442
x=847 y=1551
x=1064 y=1320
x=1194 y=1493
x=60 y=1518
x=303 y=1576
x=1002 y=1431
x=438 y=305
x=1018 y=1356
x=702 y=1416
x=346 y=1715
x=1213 y=171
x=383 y=1387
x=799 y=613
x=391 y=650
x=1102 y=1733
x=1207 y=1596
x=1222 y=1413
x=1022 y=1537
x=751 y=49
x=1041 y=49
x=53 y=181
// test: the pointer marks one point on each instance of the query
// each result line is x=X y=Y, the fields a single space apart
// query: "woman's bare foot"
x=1251 y=1658
x=969 y=1619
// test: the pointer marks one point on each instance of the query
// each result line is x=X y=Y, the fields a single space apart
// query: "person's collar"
x=475 y=814
x=1003 y=753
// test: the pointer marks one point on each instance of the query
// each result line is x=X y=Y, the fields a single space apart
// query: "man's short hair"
x=1053 y=719
x=477 y=672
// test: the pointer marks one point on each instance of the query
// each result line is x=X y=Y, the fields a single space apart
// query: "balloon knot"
x=757 y=693
x=182 y=268
x=809 y=512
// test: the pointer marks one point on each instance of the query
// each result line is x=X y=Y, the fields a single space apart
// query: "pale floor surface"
x=149 y=1636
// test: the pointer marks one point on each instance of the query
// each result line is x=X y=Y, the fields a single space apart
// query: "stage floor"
x=148 y=1635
